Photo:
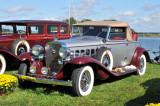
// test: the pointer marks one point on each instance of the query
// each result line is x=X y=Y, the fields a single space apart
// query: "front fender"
x=9 y=55
x=102 y=71
x=25 y=56
x=137 y=55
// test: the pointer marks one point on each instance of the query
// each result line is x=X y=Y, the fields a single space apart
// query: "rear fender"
x=136 y=57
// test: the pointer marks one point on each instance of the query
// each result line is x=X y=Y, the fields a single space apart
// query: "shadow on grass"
x=152 y=94
x=46 y=88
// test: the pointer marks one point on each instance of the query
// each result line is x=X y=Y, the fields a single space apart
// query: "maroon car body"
x=19 y=36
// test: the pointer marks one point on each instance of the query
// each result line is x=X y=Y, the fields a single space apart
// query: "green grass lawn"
x=116 y=91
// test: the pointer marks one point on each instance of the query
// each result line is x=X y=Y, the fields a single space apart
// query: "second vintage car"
x=97 y=50
x=19 y=36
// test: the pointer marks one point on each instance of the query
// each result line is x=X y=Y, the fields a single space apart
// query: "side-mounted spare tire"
x=20 y=46
x=2 y=64
x=104 y=56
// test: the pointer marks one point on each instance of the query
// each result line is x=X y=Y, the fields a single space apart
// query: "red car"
x=20 y=35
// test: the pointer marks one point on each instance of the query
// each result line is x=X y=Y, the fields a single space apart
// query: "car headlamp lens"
x=33 y=69
x=63 y=52
x=44 y=70
x=37 y=49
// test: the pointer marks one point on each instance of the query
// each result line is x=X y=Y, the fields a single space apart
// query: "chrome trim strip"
x=47 y=81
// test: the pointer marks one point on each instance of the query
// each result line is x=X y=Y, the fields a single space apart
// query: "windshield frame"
x=95 y=26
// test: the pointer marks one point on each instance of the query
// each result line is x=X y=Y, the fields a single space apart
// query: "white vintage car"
x=97 y=49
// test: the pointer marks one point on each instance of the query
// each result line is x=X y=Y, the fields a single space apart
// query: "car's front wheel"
x=142 y=65
x=23 y=71
x=82 y=80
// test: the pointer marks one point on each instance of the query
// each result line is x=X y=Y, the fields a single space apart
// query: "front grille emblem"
x=53 y=51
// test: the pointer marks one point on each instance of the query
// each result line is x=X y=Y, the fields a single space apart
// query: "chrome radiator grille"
x=52 y=56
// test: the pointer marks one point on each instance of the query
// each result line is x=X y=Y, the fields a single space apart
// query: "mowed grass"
x=129 y=90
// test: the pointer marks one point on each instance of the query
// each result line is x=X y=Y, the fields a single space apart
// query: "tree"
x=72 y=21
x=84 y=20
x=133 y=31
x=109 y=20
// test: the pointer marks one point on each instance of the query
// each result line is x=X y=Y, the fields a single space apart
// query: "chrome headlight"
x=64 y=52
x=44 y=70
x=37 y=50
x=33 y=69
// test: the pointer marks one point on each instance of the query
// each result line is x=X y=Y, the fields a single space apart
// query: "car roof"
x=104 y=23
x=34 y=22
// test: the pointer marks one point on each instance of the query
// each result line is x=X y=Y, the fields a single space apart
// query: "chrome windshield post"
x=109 y=28
x=71 y=35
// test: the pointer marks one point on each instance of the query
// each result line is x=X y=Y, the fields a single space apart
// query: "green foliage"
x=129 y=90
x=72 y=21
x=133 y=31
x=84 y=20
x=110 y=20
x=149 y=35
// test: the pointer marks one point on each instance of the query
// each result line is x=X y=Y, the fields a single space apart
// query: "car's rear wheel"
x=82 y=80
x=105 y=57
x=20 y=46
x=142 y=65
x=2 y=64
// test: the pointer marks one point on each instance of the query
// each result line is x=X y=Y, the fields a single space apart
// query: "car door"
x=51 y=31
x=64 y=31
x=118 y=45
x=36 y=34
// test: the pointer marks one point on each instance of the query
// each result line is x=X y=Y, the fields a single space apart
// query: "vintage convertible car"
x=19 y=36
x=97 y=49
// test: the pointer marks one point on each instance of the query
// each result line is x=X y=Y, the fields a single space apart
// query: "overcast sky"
x=142 y=15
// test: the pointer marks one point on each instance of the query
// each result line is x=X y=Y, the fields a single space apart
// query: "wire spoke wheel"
x=85 y=81
x=142 y=65
x=82 y=80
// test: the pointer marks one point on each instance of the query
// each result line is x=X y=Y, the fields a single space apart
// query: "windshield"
x=12 y=29
x=99 y=31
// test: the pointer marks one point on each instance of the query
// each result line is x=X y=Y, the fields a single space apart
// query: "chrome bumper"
x=45 y=81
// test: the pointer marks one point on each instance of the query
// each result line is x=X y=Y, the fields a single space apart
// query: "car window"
x=117 y=33
x=51 y=29
x=7 y=29
x=21 y=28
x=63 y=29
x=36 y=29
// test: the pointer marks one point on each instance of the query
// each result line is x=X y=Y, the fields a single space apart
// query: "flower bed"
x=7 y=83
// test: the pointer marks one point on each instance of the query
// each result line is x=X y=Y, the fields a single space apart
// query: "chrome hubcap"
x=21 y=50
x=141 y=65
x=85 y=81
x=106 y=61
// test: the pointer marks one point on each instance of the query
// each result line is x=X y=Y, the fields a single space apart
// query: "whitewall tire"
x=142 y=65
x=105 y=57
x=2 y=64
x=82 y=80
x=18 y=47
